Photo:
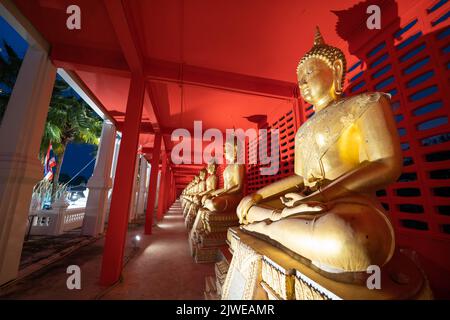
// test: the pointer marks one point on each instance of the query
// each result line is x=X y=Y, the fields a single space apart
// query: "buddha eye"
x=309 y=71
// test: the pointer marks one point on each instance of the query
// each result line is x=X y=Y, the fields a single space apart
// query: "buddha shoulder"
x=369 y=99
x=342 y=112
x=359 y=103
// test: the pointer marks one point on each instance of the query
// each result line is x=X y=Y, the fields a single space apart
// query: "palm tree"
x=69 y=120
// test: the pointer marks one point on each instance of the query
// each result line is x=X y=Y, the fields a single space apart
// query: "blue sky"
x=77 y=155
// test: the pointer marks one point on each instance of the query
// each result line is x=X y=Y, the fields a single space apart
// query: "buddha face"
x=211 y=168
x=230 y=152
x=318 y=82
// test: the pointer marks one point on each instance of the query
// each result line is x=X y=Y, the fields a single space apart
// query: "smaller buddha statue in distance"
x=184 y=194
x=229 y=196
x=226 y=199
x=195 y=198
x=327 y=213
x=189 y=194
x=211 y=184
x=200 y=198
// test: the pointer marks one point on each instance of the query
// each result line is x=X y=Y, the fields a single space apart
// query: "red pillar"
x=123 y=186
x=169 y=186
x=153 y=184
x=171 y=189
x=172 y=199
x=162 y=189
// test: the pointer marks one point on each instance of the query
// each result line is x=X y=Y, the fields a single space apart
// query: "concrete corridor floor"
x=161 y=268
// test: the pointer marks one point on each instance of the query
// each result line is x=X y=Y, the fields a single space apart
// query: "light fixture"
x=135 y=241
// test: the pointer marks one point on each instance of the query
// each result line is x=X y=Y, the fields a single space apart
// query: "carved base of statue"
x=214 y=284
x=260 y=270
x=190 y=216
x=209 y=233
x=187 y=207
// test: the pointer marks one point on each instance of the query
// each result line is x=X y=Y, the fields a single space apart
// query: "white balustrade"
x=56 y=221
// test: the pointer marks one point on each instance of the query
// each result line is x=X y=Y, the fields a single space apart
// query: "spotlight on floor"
x=135 y=241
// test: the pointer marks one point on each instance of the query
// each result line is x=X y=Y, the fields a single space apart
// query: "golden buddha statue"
x=327 y=214
x=184 y=194
x=195 y=198
x=229 y=196
x=200 y=198
x=211 y=183
x=189 y=194
x=218 y=212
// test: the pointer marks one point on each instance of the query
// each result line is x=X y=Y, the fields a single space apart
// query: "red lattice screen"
x=412 y=64
x=287 y=127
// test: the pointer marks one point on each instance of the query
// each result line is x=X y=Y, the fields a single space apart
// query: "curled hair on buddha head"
x=326 y=53
x=232 y=141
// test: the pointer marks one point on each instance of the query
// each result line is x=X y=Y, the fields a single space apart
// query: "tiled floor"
x=161 y=269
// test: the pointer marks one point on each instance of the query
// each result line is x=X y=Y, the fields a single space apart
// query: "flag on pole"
x=49 y=163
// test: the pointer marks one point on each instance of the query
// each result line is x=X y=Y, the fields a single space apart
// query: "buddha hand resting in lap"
x=328 y=212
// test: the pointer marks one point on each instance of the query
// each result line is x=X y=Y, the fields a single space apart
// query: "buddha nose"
x=302 y=81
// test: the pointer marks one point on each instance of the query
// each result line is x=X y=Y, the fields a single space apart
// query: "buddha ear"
x=338 y=70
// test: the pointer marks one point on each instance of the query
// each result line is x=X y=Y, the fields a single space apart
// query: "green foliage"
x=64 y=178
x=69 y=120
x=9 y=69
x=79 y=180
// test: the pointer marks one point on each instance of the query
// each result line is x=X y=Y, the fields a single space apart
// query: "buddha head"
x=202 y=174
x=321 y=73
x=211 y=168
x=230 y=148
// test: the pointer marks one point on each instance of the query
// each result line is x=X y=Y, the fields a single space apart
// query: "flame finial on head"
x=318 y=39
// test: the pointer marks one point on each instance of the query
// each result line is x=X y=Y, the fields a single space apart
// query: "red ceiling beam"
x=156 y=102
x=190 y=166
x=183 y=171
x=126 y=34
x=145 y=127
x=186 y=74
x=90 y=60
x=104 y=61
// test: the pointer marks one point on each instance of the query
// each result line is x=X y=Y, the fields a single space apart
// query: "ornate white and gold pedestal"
x=190 y=216
x=214 y=284
x=205 y=244
x=260 y=270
